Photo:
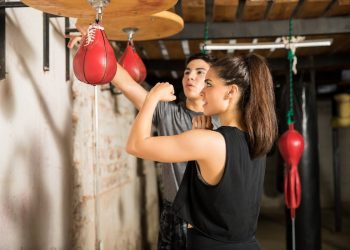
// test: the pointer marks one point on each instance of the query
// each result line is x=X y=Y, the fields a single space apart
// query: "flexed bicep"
x=190 y=145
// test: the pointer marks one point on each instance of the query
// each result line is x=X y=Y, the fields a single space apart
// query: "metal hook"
x=130 y=31
x=99 y=5
x=98 y=14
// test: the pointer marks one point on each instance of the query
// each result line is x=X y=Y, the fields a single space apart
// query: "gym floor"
x=272 y=233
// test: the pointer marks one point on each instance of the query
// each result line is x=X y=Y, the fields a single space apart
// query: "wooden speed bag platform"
x=152 y=27
x=116 y=8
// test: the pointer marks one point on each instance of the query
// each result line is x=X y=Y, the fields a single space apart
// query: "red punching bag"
x=291 y=146
x=133 y=64
x=95 y=62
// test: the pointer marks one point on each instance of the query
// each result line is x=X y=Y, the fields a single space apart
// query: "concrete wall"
x=54 y=192
x=326 y=156
x=125 y=189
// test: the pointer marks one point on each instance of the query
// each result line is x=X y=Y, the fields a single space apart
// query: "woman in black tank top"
x=221 y=190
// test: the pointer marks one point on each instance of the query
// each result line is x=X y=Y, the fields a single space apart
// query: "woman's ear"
x=232 y=91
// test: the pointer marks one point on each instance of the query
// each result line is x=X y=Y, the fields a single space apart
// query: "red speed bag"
x=291 y=146
x=95 y=62
x=133 y=64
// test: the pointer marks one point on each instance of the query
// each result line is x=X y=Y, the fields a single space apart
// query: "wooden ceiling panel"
x=281 y=9
x=340 y=43
x=193 y=10
x=194 y=46
x=254 y=10
x=150 y=49
x=225 y=10
x=312 y=8
x=278 y=53
x=174 y=48
x=313 y=50
x=339 y=8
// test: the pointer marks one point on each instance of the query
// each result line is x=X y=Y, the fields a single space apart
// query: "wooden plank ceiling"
x=205 y=12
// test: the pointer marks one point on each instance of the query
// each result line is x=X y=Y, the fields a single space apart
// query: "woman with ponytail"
x=220 y=193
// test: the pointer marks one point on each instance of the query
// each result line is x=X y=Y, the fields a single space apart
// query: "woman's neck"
x=232 y=119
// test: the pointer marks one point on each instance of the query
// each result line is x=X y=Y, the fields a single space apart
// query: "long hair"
x=257 y=103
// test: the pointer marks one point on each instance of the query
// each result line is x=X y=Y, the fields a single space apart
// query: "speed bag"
x=133 y=64
x=95 y=62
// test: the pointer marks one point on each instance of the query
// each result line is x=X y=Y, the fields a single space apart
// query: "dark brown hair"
x=257 y=104
x=205 y=57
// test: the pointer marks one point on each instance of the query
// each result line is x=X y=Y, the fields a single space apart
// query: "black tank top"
x=227 y=211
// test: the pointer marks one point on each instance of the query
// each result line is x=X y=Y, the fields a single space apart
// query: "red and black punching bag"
x=133 y=64
x=95 y=62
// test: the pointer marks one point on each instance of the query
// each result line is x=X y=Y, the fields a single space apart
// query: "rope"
x=291 y=56
x=204 y=51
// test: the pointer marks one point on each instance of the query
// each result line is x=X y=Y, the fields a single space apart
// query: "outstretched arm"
x=131 y=89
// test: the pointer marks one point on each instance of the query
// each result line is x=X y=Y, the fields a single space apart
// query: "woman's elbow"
x=131 y=149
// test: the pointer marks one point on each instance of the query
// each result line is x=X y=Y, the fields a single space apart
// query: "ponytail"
x=257 y=104
x=259 y=114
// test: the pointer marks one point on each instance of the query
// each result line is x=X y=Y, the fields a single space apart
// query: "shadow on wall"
x=31 y=212
x=28 y=210
x=7 y=103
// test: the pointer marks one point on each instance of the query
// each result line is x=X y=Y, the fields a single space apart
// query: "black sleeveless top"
x=227 y=211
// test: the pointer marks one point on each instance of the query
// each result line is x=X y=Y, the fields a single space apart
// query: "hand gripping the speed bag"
x=95 y=62
x=133 y=64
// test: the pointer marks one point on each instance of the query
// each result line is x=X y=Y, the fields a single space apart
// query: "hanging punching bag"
x=133 y=64
x=95 y=62
x=291 y=146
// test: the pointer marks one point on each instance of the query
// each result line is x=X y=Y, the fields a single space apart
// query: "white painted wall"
x=35 y=132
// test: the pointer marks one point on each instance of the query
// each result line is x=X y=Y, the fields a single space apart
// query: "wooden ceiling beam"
x=193 y=10
x=340 y=7
x=256 y=29
x=312 y=8
x=225 y=10
x=282 y=9
x=276 y=64
x=254 y=10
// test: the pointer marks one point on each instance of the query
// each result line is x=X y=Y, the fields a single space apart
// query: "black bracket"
x=66 y=27
x=46 y=42
x=2 y=44
x=46 y=37
x=3 y=6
